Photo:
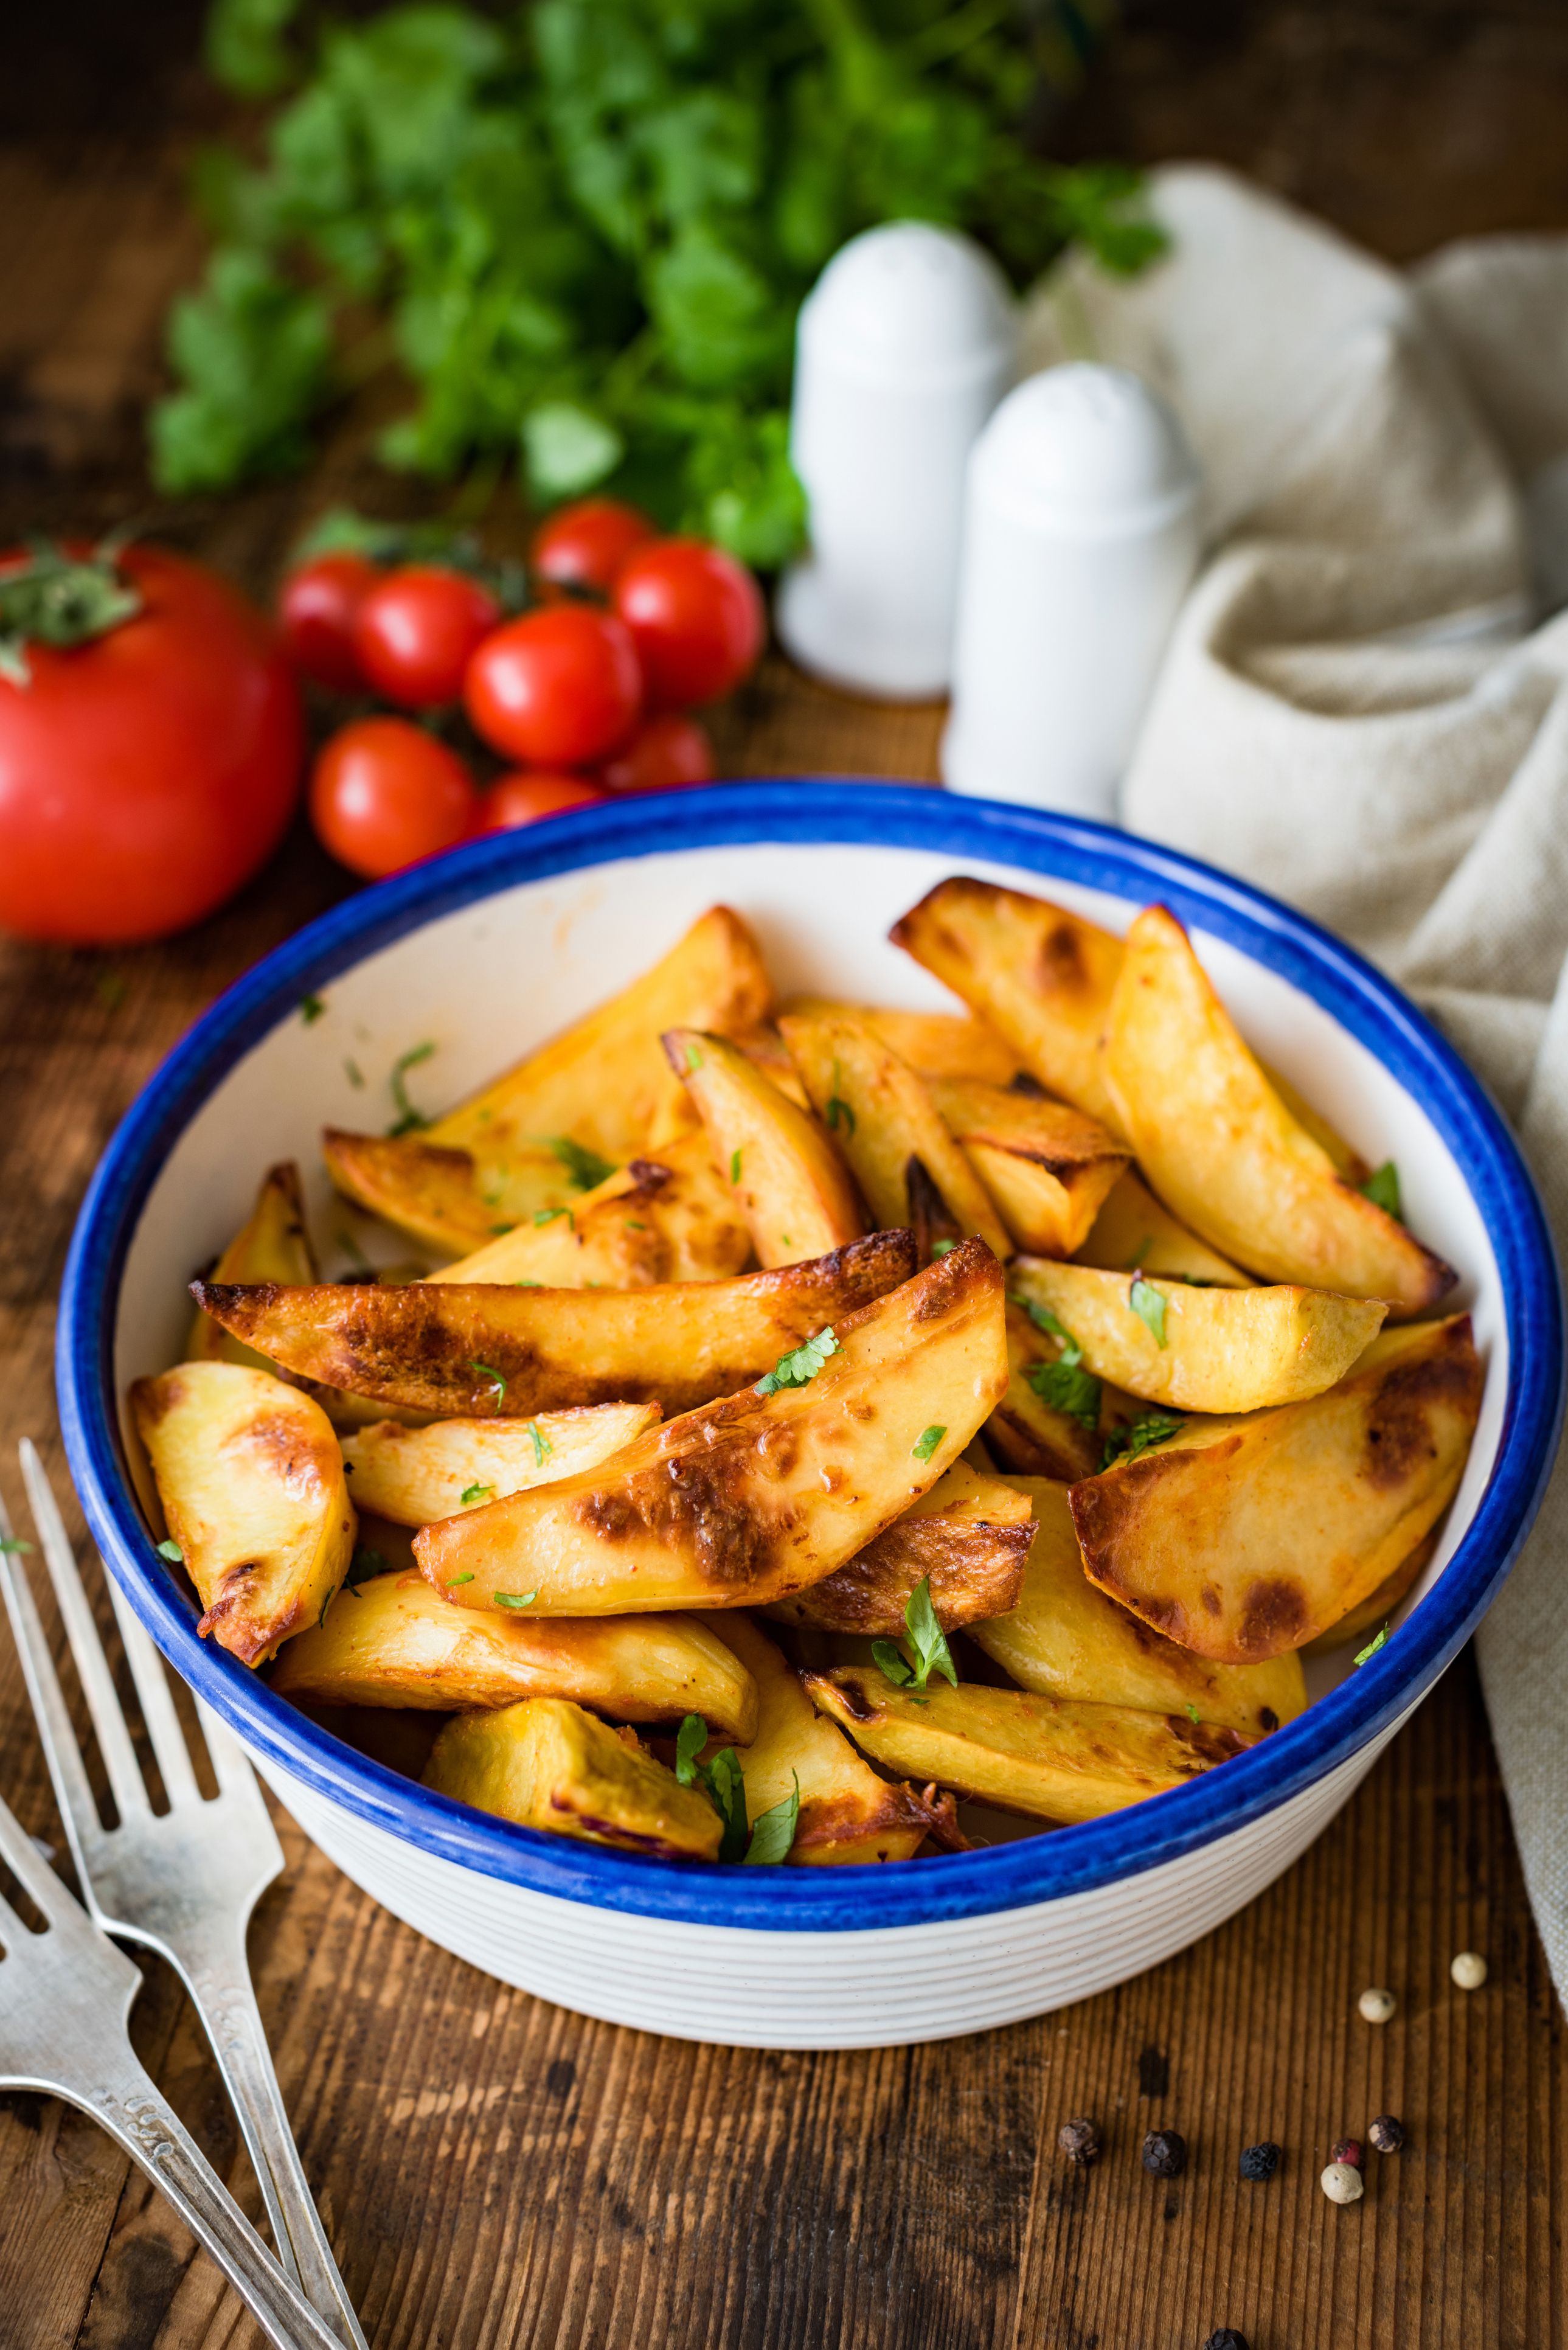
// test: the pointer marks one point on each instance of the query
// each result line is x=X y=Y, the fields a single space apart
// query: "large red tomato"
x=146 y=772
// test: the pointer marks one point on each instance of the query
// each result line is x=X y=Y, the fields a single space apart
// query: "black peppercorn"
x=1386 y=2134
x=1227 y=2338
x=1079 y=2141
x=1165 y=2154
x=1259 y=2161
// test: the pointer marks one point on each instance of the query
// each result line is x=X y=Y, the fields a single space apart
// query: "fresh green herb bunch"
x=582 y=228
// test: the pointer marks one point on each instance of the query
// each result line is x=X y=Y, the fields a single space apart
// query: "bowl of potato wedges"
x=809 y=1414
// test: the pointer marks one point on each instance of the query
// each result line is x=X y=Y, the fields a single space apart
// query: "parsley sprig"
x=1136 y=1436
x=723 y=1782
x=1063 y=1385
x=927 y=1639
x=797 y=1369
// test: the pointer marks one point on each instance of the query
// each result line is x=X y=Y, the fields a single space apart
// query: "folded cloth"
x=1365 y=704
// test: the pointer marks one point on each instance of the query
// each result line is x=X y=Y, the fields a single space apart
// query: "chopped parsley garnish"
x=516 y=1598
x=455 y=1581
x=693 y=1057
x=774 y=1830
x=311 y=1008
x=364 y=1567
x=543 y=1448
x=1372 y=1647
x=521 y=1283
x=476 y=1494
x=632 y=1225
x=326 y=1604
x=585 y=1168
x=720 y=1780
x=497 y=1380
x=1149 y=1304
x=1044 y=1319
x=355 y=1074
x=1138 y=1435
x=1063 y=1385
x=838 y=1111
x=927 y=1639
x=13 y=1545
x=409 y=1118
x=170 y=1549
x=1382 y=1189
x=734 y=1166
x=548 y=1216
x=942 y=1248
x=926 y=1441
x=1192 y=1709
x=795 y=1369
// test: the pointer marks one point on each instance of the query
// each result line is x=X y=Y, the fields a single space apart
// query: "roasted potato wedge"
x=1046 y=1756
x=252 y=1484
x=1029 y=1434
x=1133 y=1230
x=766 y=1050
x=1360 y=1622
x=847 y=1814
x=273 y=1245
x=547 y=1764
x=945 y=1044
x=1243 y=1537
x=393 y=1641
x=1217 y=1142
x=412 y=1475
x=788 y=1181
x=433 y=1191
x=756 y=1496
x=482 y=1351
x=969 y=1538
x=1216 y=1350
x=884 y=1119
x=1064 y=1638
x=656 y=1220
x=1047 y=1168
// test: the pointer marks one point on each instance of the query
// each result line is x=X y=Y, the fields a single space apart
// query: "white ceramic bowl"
x=486 y=951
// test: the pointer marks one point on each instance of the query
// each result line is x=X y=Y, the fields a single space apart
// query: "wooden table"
x=496 y=2173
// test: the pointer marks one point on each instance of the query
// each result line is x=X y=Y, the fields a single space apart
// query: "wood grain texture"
x=496 y=2173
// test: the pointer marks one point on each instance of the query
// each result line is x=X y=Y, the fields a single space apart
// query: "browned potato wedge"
x=1048 y=1167
x=547 y=1764
x=1360 y=1622
x=1217 y=1142
x=1030 y=1435
x=434 y=1192
x=272 y=1245
x=789 y=1182
x=411 y=1475
x=1217 y=1350
x=884 y=1120
x=1046 y=1756
x=656 y=1220
x=393 y=1641
x=1241 y=1538
x=1134 y=1229
x=969 y=1538
x=478 y=1351
x=847 y=1814
x=754 y=1497
x=251 y=1485
x=1064 y=1638
x=766 y=1050
x=945 y=1044
x=1041 y=976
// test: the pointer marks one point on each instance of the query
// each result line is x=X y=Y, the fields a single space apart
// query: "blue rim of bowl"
x=829 y=812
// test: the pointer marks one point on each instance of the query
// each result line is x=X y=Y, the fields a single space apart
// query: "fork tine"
x=124 y=1779
x=231 y=1764
x=68 y=1772
x=157 y=1700
x=35 y=1875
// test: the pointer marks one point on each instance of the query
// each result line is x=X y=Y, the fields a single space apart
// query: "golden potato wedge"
x=1064 y=1638
x=252 y=1484
x=756 y=1496
x=766 y=1050
x=482 y=1351
x=1219 y=1145
x=547 y=1764
x=1041 y=976
x=393 y=1641
x=884 y=1120
x=790 y=1184
x=945 y=1044
x=847 y=1814
x=1242 y=1537
x=1047 y=1168
x=656 y=1220
x=273 y=1245
x=1216 y=1350
x=1030 y=1435
x=1360 y=1624
x=433 y=1192
x=968 y=1538
x=605 y=1083
x=1134 y=1229
x=411 y=1475
x=1045 y=1756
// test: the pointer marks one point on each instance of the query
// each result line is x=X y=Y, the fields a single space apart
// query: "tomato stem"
x=59 y=599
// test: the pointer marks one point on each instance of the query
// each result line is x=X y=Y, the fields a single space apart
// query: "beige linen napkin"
x=1365 y=705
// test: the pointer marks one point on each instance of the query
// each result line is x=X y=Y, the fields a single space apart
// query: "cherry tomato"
x=557 y=688
x=383 y=794
x=663 y=752
x=585 y=545
x=317 y=611
x=146 y=772
x=525 y=798
x=697 y=616
x=416 y=629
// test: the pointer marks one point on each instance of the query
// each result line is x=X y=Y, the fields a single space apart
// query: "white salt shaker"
x=904 y=347
x=1081 y=537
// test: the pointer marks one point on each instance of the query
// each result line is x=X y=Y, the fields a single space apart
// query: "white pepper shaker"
x=1081 y=537
x=904 y=347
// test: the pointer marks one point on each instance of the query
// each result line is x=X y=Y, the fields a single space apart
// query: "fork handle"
x=136 y=2115
x=211 y=1956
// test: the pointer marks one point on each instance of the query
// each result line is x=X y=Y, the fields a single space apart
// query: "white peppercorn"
x=1468 y=1971
x=1340 y=2184
x=1377 y=2005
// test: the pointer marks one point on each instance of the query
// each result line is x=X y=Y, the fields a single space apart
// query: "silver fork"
x=65 y=1997
x=183 y=1884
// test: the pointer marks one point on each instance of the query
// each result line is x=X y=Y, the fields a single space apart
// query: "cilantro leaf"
x=773 y=1832
x=1137 y=1435
x=795 y=1369
x=926 y=1441
x=585 y=1168
x=1149 y=1304
x=1382 y=1188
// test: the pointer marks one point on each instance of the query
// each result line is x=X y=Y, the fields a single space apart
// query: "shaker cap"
x=908 y=295
x=1085 y=447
